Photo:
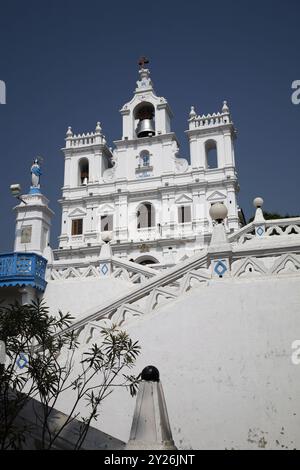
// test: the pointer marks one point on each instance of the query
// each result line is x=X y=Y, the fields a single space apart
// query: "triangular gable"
x=183 y=199
x=126 y=312
x=286 y=263
x=194 y=278
x=216 y=196
x=106 y=208
x=78 y=212
x=71 y=273
x=248 y=266
x=91 y=272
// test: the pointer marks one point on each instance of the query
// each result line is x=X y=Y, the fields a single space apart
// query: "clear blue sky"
x=75 y=62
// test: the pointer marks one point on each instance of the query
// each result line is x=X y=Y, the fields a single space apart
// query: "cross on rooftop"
x=142 y=61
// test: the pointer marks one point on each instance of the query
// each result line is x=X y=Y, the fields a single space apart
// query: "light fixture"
x=15 y=190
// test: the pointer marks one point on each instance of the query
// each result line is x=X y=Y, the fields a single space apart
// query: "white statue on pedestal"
x=36 y=173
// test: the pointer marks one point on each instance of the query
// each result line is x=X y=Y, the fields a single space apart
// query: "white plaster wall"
x=79 y=295
x=224 y=353
x=161 y=151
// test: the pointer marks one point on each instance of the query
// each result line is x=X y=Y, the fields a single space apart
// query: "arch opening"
x=144 y=115
x=211 y=153
x=144 y=158
x=83 y=171
x=146 y=260
x=145 y=215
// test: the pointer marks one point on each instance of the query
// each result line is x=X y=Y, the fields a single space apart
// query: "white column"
x=67 y=182
x=229 y=157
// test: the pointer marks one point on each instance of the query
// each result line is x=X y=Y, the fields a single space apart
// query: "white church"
x=158 y=244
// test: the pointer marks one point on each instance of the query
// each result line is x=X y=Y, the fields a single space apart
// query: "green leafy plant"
x=47 y=347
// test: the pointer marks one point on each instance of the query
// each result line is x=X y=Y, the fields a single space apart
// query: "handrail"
x=132 y=266
x=244 y=230
x=248 y=229
x=135 y=271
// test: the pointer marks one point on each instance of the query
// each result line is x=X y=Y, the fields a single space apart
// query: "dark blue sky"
x=75 y=62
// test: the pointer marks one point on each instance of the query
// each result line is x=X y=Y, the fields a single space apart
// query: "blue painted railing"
x=23 y=269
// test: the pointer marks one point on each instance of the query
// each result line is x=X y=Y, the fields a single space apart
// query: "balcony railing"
x=147 y=233
x=23 y=269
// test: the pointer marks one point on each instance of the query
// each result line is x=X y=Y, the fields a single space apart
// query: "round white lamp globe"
x=107 y=237
x=258 y=202
x=218 y=211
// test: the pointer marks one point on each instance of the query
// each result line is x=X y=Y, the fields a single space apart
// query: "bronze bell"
x=145 y=128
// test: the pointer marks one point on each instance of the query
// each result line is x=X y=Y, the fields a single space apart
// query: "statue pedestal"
x=35 y=190
x=33 y=221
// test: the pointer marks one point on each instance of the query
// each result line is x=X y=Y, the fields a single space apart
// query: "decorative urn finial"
x=225 y=108
x=192 y=114
x=69 y=132
x=98 y=128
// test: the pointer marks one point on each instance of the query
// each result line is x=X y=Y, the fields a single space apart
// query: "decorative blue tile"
x=220 y=268
x=260 y=231
x=104 y=269
x=22 y=361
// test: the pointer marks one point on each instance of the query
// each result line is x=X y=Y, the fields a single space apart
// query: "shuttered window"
x=77 y=226
x=106 y=223
x=184 y=214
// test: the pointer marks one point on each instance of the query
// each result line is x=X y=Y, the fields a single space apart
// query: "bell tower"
x=211 y=138
x=211 y=132
x=146 y=114
x=146 y=128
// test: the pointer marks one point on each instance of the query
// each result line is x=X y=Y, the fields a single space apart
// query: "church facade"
x=154 y=203
x=157 y=245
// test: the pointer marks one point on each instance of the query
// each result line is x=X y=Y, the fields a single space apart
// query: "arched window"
x=211 y=154
x=145 y=158
x=83 y=171
x=145 y=216
x=144 y=260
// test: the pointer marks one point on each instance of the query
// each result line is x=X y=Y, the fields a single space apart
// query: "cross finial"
x=143 y=61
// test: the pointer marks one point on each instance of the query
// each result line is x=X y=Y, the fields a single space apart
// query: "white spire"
x=150 y=428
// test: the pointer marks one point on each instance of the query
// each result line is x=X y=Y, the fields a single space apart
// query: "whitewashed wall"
x=224 y=353
x=79 y=295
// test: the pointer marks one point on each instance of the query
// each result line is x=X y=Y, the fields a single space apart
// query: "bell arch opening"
x=83 y=168
x=211 y=154
x=144 y=116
